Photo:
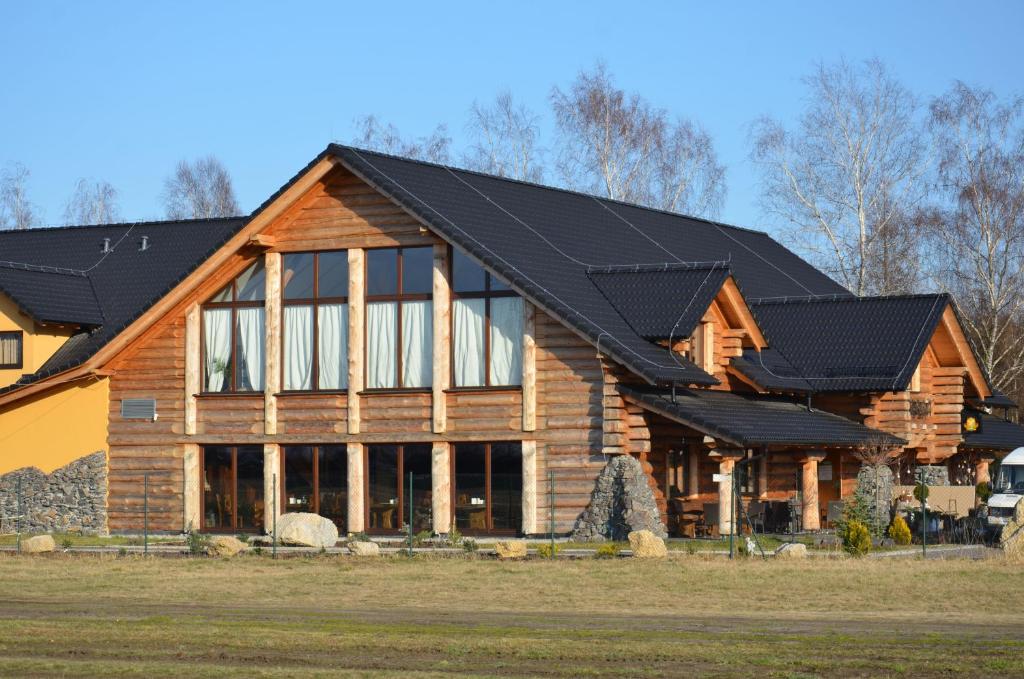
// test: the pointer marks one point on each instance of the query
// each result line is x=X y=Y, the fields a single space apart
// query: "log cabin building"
x=381 y=319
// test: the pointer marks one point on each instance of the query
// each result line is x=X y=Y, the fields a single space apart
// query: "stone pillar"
x=726 y=465
x=441 y=487
x=529 y=487
x=442 y=348
x=193 y=489
x=356 y=508
x=272 y=355
x=693 y=473
x=356 y=356
x=811 y=513
x=271 y=485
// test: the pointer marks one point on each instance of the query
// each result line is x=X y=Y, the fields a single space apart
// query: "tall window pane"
x=381 y=345
x=333 y=342
x=506 y=486
x=250 y=487
x=332 y=484
x=469 y=317
x=332 y=276
x=506 y=341
x=471 y=487
x=417 y=344
x=218 y=488
x=417 y=461
x=251 y=335
x=297 y=275
x=315 y=329
x=217 y=349
x=382 y=473
x=417 y=271
x=488 y=484
x=382 y=272
x=233 y=334
x=298 y=347
x=299 y=481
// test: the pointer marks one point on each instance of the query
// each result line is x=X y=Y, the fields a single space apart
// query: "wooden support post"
x=356 y=508
x=726 y=465
x=693 y=473
x=192 y=491
x=762 y=475
x=529 y=367
x=273 y=341
x=193 y=371
x=442 y=341
x=271 y=490
x=811 y=514
x=441 y=485
x=529 y=487
x=981 y=470
x=356 y=347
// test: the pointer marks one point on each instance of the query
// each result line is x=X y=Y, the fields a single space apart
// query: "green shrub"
x=548 y=551
x=983 y=490
x=455 y=538
x=244 y=538
x=608 y=551
x=899 y=531
x=856 y=538
x=921 y=492
x=66 y=543
x=422 y=538
x=469 y=545
x=359 y=537
x=196 y=542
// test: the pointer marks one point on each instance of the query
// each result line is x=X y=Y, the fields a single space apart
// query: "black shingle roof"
x=664 y=301
x=543 y=241
x=124 y=283
x=850 y=343
x=51 y=295
x=751 y=421
x=995 y=434
x=770 y=369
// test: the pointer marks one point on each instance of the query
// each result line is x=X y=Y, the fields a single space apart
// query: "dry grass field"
x=75 y=615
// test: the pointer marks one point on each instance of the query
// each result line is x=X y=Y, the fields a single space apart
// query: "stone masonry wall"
x=622 y=501
x=70 y=499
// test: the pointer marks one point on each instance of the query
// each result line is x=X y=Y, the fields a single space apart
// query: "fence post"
x=18 y=518
x=410 y=513
x=551 y=510
x=145 y=513
x=274 y=515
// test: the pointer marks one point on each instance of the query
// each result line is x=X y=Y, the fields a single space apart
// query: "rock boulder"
x=647 y=545
x=510 y=549
x=791 y=550
x=306 y=530
x=225 y=545
x=1012 y=536
x=364 y=548
x=38 y=544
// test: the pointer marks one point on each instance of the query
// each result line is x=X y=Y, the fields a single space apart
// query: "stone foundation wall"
x=70 y=499
x=934 y=475
x=622 y=501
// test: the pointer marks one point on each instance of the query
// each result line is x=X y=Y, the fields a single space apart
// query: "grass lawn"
x=90 y=615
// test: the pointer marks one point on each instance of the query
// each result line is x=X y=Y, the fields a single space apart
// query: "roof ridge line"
x=652 y=267
x=151 y=222
x=42 y=268
x=560 y=189
x=836 y=297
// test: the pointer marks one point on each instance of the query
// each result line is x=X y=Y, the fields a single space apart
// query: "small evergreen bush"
x=983 y=490
x=607 y=551
x=899 y=531
x=921 y=492
x=546 y=551
x=856 y=538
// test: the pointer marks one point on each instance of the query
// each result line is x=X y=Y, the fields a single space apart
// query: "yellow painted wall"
x=40 y=342
x=51 y=429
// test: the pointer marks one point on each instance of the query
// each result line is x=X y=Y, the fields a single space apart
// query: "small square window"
x=11 y=350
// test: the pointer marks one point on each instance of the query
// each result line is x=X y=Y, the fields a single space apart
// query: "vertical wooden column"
x=693 y=476
x=529 y=367
x=708 y=347
x=193 y=371
x=442 y=340
x=271 y=485
x=193 y=477
x=726 y=465
x=811 y=513
x=441 y=486
x=356 y=508
x=762 y=475
x=981 y=470
x=356 y=344
x=529 y=487
x=272 y=372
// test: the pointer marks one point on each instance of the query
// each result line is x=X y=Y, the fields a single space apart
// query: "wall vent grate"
x=138 y=409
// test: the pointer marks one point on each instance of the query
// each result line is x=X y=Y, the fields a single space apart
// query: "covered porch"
x=788 y=466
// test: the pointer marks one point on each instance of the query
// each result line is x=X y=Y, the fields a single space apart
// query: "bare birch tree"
x=505 y=140
x=846 y=179
x=16 y=212
x=93 y=202
x=378 y=136
x=978 y=224
x=200 y=190
x=620 y=146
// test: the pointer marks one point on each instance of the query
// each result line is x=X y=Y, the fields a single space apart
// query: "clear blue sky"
x=122 y=91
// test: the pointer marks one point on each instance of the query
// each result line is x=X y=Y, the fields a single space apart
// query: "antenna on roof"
x=144 y=244
x=106 y=246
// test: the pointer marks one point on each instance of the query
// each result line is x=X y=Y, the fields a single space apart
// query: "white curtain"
x=217 y=347
x=251 y=336
x=381 y=338
x=469 y=342
x=298 y=347
x=506 y=340
x=417 y=344
x=332 y=323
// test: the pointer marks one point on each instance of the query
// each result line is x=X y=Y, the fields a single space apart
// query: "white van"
x=1007 y=491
